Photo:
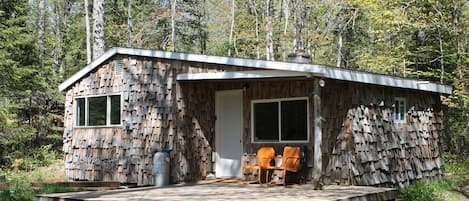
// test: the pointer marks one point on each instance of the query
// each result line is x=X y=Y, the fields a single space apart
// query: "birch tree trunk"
x=88 y=33
x=129 y=22
x=173 y=25
x=232 y=27
x=339 y=47
x=98 y=28
x=41 y=31
x=269 y=31
x=286 y=12
x=442 y=65
x=254 y=9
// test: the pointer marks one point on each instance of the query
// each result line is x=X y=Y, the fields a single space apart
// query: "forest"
x=44 y=42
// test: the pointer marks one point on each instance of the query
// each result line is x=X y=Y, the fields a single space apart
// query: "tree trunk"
x=98 y=28
x=57 y=50
x=173 y=25
x=254 y=9
x=88 y=33
x=339 y=47
x=232 y=27
x=201 y=27
x=269 y=31
x=299 y=24
x=442 y=65
x=129 y=22
x=286 y=12
x=41 y=30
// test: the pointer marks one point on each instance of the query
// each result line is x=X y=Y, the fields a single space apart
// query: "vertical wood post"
x=317 y=153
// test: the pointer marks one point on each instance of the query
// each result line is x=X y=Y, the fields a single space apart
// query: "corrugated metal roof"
x=314 y=69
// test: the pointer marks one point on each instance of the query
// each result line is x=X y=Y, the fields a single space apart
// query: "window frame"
x=397 y=111
x=279 y=101
x=108 y=111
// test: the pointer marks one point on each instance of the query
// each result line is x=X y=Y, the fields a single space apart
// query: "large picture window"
x=400 y=111
x=280 y=120
x=98 y=110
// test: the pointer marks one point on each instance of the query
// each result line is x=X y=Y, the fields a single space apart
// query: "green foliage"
x=20 y=182
x=29 y=100
x=20 y=188
x=54 y=188
x=423 y=191
x=457 y=169
x=17 y=195
x=456 y=176
x=456 y=164
x=23 y=191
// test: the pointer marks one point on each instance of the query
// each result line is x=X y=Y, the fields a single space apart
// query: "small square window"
x=400 y=111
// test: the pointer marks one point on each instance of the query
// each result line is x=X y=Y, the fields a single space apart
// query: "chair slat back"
x=265 y=155
x=291 y=158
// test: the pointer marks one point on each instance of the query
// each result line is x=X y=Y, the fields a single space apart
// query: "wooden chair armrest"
x=275 y=168
x=250 y=167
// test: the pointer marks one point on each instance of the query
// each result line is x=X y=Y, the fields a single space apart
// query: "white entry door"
x=228 y=132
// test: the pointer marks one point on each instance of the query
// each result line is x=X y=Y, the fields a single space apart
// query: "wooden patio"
x=232 y=190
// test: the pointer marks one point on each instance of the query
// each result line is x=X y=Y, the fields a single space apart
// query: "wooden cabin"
x=357 y=128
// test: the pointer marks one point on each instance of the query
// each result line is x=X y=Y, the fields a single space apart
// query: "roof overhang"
x=232 y=75
x=281 y=67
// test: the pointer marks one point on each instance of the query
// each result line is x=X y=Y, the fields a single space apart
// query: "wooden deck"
x=208 y=191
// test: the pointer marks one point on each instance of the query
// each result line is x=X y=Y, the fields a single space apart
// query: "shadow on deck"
x=231 y=190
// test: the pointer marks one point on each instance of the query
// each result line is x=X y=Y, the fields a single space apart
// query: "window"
x=280 y=120
x=400 y=111
x=98 y=110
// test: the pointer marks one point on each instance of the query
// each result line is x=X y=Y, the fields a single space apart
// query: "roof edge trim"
x=325 y=71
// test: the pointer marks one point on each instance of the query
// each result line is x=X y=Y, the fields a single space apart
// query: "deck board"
x=232 y=191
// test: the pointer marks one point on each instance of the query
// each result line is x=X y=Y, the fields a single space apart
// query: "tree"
x=173 y=25
x=28 y=95
x=269 y=38
x=88 y=33
x=232 y=27
x=41 y=29
x=98 y=28
x=286 y=13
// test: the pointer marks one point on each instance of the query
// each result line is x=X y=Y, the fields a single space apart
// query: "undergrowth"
x=19 y=182
x=449 y=189
x=423 y=191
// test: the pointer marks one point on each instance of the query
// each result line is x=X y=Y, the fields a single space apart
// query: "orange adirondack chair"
x=265 y=155
x=290 y=162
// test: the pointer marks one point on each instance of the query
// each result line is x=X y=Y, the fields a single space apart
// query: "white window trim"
x=108 y=111
x=279 y=100
x=396 y=120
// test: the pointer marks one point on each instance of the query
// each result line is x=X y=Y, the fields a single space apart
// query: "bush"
x=456 y=164
x=20 y=188
x=54 y=188
x=20 y=182
x=423 y=191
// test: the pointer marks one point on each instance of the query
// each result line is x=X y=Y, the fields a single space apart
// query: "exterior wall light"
x=322 y=83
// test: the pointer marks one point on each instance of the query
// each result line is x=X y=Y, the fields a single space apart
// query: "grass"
x=20 y=182
x=423 y=191
x=448 y=189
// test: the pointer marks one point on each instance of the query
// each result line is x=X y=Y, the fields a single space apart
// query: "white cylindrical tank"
x=161 y=168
